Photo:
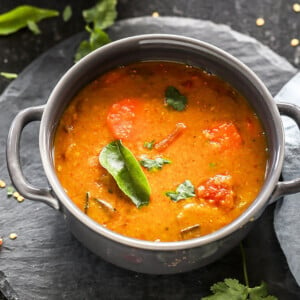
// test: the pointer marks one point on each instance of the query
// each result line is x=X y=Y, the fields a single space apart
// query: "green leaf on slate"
x=23 y=16
x=127 y=172
x=67 y=13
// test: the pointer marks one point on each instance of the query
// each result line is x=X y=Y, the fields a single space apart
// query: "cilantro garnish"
x=154 y=164
x=98 y=18
x=149 y=145
x=175 y=99
x=67 y=13
x=232 y=289
x=183 y=191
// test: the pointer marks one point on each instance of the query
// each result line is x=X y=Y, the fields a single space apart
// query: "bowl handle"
x=291 y=186
x=13 y=158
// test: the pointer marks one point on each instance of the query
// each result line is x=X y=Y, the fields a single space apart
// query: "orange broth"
x=221 y=150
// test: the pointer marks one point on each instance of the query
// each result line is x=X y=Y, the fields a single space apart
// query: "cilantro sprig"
x=232 y=289
x=175 y=99
x=154 y=164
x=98 y=18
x=184 y=190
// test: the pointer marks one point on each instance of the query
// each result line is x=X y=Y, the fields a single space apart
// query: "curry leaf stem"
x=244 y=264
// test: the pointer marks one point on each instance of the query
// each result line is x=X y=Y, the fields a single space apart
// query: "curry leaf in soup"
x=184 y=190
x=154 y=164
x=175 y=99
x=127 y=172
x=23 y=16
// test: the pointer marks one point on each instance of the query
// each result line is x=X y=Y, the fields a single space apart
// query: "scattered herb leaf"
x=127 y=172
x=67 y=13
x=154 y=164
x=149 y=145
x=183 y=191
x=33 y=27
x=175 y=99
x=21 y=16
x=97 y=39
x=9 y=75
x=100 y=17
x=87 y=202
x=212 y=164
x=232 y=289
x=10 y=190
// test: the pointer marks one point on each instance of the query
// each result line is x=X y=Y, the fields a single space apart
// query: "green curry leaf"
x=183 y=191
x=175 y=99
x=23 y=16
x=127 y=172
x=154 y=164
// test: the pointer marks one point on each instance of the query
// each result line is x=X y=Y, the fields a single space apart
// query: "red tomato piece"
x=225 y=135
x=121 y=117
x=218 y=191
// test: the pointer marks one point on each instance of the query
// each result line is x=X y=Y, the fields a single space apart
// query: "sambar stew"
x=160 y=151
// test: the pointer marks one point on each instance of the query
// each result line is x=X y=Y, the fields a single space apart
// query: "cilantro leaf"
x=9 y=75
x=183 y=191
x=260 y=293
x=154 y=164
x=149 y=145
x=102 y=15
x=24 y=16
x=67 y=13
x=98 y=38
x=175 y=99
x=231 y=289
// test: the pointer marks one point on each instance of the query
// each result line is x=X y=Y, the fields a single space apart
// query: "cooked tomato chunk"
x=217 y=190
x=225 y=135
x=121 y=117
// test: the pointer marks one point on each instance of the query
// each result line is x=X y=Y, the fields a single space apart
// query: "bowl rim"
x=250 y=214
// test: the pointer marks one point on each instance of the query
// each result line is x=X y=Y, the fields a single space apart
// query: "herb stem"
x=244 y=264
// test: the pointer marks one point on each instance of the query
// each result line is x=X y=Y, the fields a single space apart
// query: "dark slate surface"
x=46 y=262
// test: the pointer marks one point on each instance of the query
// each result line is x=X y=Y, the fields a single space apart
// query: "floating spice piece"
x=155 y=14
x=296 y=7
x=87 y=202
x=105 y=205
x=167 y=141
x=260 y=22
x=2 y=184
x=295 y=42
x=187 y=232
x=13 y=236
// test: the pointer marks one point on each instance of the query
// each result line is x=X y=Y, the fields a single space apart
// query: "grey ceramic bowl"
x=139 y=255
